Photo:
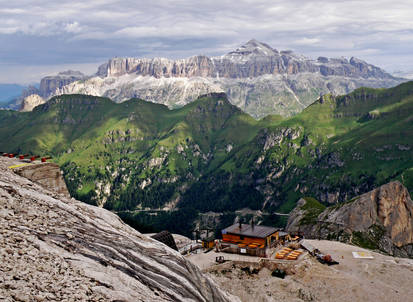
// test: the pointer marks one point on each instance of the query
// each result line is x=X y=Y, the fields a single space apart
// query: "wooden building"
x=208 y=243
x=249 y=235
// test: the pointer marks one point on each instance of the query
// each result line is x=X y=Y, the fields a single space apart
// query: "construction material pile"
x=288 y=254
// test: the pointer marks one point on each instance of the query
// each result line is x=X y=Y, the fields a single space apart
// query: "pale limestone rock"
x=156 y=162
x=31 y=101
x=56 y=248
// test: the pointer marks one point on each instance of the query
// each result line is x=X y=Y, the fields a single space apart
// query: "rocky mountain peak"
x=354 y=60
x=253 y=48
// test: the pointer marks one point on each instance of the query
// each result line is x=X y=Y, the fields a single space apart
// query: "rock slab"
x=48 y=175
x=54 y=248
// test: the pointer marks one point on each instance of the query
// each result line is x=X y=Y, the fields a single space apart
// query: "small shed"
x=307 y=245
x=208 y=243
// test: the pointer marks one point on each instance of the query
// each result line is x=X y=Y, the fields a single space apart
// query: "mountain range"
x=174 y=169
x=257 y=78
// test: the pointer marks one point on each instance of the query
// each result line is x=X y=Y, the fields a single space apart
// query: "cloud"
x=78 y=32
x=307 y=41
x=73 y=27
x=187 y=30
x=12 y=11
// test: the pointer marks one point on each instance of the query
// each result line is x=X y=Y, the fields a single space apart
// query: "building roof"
x=258 y=231
x=307 y=245
x=166 y=238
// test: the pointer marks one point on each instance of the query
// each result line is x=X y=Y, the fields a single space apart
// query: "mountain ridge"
x=272 y=62
x=257 y=78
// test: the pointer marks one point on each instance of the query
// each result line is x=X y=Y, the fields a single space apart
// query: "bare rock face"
x=29 y=91
x=48 y=175
x=252 y=59
x=394 y=209
x=50 y=84
x=56 y=248
x=31 y=101
x=382 y=218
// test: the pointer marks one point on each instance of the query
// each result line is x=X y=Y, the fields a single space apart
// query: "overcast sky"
x=41 y=37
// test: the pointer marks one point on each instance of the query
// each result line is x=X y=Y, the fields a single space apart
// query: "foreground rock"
x=53 y=248
x=381 y=219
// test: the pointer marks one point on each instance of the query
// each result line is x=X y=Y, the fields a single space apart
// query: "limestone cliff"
x=56 y=248
x=49 y=84
x=381 y=218
x=252 y=59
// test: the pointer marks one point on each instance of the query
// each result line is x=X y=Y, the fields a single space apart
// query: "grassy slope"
x=92 y=136
x=366 y=129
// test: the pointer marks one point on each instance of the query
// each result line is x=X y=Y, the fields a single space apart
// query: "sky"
x=42 y=37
